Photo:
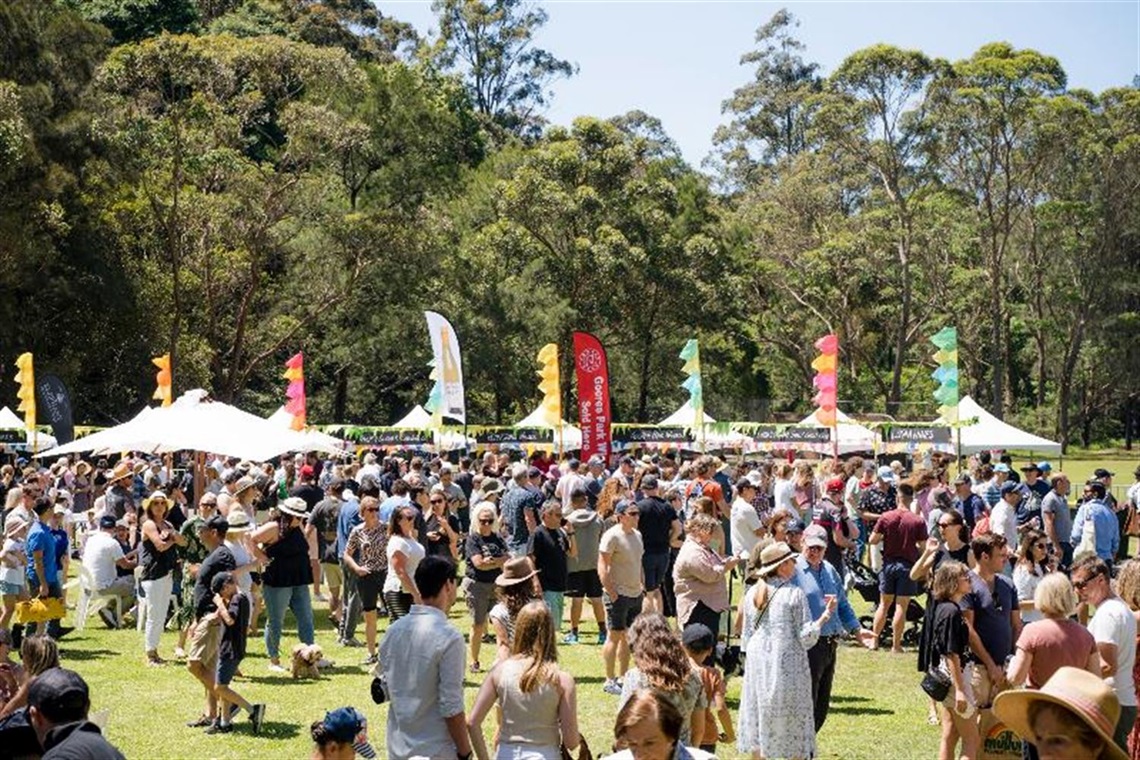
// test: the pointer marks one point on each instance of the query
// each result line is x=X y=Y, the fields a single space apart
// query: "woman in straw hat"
x=1071 y=717
x=157 y=556
x=776 y=704
x=13 y=561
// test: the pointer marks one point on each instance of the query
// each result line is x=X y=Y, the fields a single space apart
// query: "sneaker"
x=218 y=728
x=612 y=687
x=325 y=662
x=352 y=643
x=371 y=660
x=108 y=618
x=276 y=668
x=257 y=717
x=601 y=638
x=570 y=638
x=63 y=631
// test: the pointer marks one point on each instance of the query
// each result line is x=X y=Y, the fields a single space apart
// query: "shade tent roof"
x=417 y=419
x=990 y=433
x=9 y=421
x=686 y=416
x=192 y=423
x=571 y=436
x=853 y=437
x=315 y=440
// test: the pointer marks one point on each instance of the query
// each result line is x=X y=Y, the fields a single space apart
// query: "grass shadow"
x=589 y=679
x=860 y=711
x=848 y=698
x=81 y=655
x=279 y=730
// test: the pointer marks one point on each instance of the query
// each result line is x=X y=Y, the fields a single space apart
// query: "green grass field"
x=877 y=712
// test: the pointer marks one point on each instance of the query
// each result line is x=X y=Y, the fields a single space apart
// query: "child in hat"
x=699 y=642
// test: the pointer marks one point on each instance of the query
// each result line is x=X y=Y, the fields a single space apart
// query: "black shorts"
x=895 y=579
x=584 y=583
x=368 y=587
x=621 y=612
x=656 y=566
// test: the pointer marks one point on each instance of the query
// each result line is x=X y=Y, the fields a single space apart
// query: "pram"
x=866 y=582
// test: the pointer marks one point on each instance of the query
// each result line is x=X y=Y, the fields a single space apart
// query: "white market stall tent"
x=571 y=436
x=686 y=417
x=38 y=439
x=444 y=440
x=853 y=437
x=989 y=433
x=193 y=422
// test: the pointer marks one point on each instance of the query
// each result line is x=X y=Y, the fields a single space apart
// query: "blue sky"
x=680 y=60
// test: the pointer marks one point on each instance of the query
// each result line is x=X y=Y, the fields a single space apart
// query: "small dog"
x=306 y=659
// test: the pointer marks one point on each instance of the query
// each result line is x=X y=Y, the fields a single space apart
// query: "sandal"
x=475 y=668
x=202 y=722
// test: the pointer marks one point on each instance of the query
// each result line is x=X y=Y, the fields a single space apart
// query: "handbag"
x=584 y=752
x=1087 y=546
x=936 y=683
x=39 y=610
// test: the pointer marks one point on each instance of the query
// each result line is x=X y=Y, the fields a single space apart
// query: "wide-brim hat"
x=515 y=571
x=243 y=484
x=295 y=506
x=1083 y=694
x=239 y=521
x=83 y=468
x=139 y=468
x=775 y=555
x=122 y=470
x=13 y=526
x=157 y=496
x=491 y=485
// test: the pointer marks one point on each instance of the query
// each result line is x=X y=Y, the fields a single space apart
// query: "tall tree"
x=491 y=43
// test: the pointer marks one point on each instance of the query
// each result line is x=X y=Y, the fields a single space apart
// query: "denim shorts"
x=11 y=589
x=226 y=670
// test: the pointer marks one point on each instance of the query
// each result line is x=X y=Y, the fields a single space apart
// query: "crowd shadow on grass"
x=87 y=654
x=279 y=730
x=860 y=711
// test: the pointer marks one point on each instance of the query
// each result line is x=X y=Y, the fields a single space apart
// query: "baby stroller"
x=866 y=582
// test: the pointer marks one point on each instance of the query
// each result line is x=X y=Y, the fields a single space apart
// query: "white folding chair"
x=91 y=601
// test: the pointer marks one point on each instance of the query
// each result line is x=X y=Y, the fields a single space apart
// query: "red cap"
x=836 y=484
x=306 y=471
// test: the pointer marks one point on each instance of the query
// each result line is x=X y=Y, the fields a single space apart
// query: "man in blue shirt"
x=971 y=506
x=818 y=579
x=43 y=570
x=1103 y=519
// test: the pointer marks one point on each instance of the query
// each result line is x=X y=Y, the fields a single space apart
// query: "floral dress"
x=775 y=701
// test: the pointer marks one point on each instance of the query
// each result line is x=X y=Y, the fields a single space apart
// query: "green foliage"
x=134 y=20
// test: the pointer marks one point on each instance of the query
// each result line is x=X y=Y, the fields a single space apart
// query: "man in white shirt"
x=424 y=664
x=102 y=555
x=569 y=483
x=1003 y=516
x=1114 y=629
x=746 y=529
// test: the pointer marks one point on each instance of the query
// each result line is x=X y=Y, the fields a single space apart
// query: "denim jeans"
x=158 y=593
x=277 y=600
x=554 y=601
x=350 y=608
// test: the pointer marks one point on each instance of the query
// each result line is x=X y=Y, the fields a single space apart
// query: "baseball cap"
x=595 y=461
x=962 y=479
x=218 y=523
x=795 y=525
x=1044 y=467
x=1100 y=472
x=698 y=637
x=815 y=535
x=836 y=484
x=1031 y=467
x=744 y=483
x=1009 y=487
x=534 y=472
x=59 y=695
x=107 y=521
x=622 y=506
x=1001 y=467
x=306 y=471
x=887 y=474
x=649 y=482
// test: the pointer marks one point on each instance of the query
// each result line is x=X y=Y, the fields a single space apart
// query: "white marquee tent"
x=990 y=433
x=571 y=436
x=686 y=417
x=853 y=437
x=41 y=440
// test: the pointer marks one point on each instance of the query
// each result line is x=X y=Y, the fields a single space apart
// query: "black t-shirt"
x=234 y=636
x=654 y=523
x=548 y=547
x=323 y=518
x=950 y=634
x=219 y=560
x=441 y=547
x=466 y=482
x=488 y=547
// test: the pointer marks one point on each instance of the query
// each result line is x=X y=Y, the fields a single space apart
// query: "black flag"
x=53 y=406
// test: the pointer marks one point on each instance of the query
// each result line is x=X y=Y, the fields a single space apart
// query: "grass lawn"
x=877 y=710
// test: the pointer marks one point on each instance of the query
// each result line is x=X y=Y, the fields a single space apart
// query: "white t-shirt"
x=744 y=524
x=413 y=552
x=241 y=557
x=1003 y=521
x=1113 y=623
x=12 y=573
x=1134 y=494
x=100 y=554
x=784 y=496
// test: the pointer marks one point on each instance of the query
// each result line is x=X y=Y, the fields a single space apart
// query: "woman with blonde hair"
x=946 y=641
x=157 y=558
x=805 y=493
x=486 y=552
x=1055 y=640
x=613 y=491
x=661 y=665
x=37 y=654
x=538 y=699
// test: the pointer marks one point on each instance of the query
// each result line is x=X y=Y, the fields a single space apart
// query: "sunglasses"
x=436 y=501
x=486 y=522
x=370 y=509
x=1081 y=584
x=632 y=513
x=946 y=524
x=407 y=517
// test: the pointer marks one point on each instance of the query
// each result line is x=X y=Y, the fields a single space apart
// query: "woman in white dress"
x=775 y=702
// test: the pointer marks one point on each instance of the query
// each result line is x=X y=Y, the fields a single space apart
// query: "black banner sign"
x=655 y=434
x=515 y=435
x=908 y=434
x=394 y=438
x=53 y=405
x=773 y=434
x=12 y=436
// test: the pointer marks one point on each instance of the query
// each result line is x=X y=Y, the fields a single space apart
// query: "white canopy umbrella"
x=193 y=423
x=315 y=440
x=990 y=433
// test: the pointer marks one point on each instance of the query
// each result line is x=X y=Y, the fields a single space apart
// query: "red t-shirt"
x=1055 y=644
x=902 y=532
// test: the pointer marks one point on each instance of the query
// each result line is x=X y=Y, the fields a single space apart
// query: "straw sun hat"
x=1083 y=694
x=775 y=555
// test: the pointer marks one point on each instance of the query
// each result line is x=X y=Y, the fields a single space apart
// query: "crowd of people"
x=1017 y=590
